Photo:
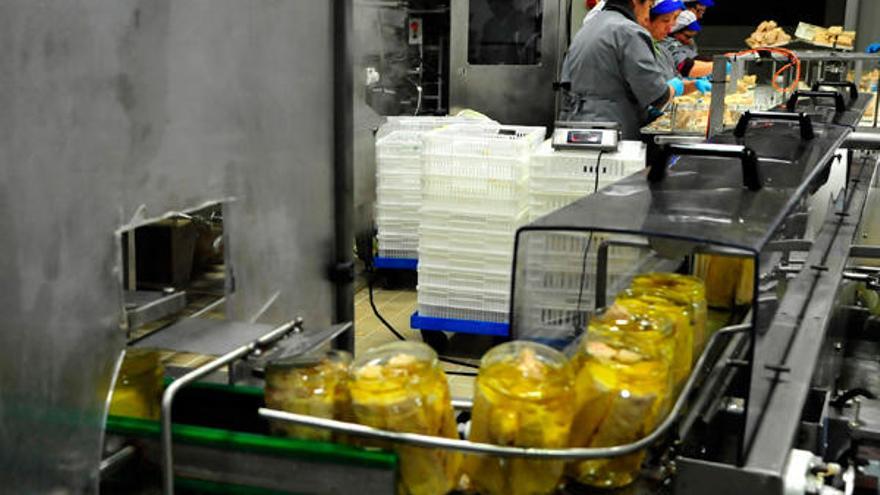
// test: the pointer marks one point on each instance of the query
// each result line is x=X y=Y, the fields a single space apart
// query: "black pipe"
x=343 y=169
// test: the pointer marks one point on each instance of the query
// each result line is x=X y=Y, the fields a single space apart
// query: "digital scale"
x=598 y=136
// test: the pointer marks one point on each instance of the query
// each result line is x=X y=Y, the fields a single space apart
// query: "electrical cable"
x=390 y=327
x=579 y=324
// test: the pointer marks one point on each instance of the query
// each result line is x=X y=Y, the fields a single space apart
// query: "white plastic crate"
x=471 y=167
x=463 y=314
x=478 y=220
x=398 y=177
x=406 y=254
x=440 y=236
x=442 y=277
x=476 y=301
x=484 y=141
x=467 y=259
x=547 y=162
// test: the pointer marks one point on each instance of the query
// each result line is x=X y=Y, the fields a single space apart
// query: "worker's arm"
x=695 y=68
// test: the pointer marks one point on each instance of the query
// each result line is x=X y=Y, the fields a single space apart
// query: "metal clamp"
x=749 y=159
x=853 y=89
x=839 y=104
x=806 y=123
x=519 y=452
x=200 y=372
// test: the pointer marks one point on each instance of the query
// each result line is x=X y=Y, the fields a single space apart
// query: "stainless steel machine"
x=505 y=57
x=121 y=113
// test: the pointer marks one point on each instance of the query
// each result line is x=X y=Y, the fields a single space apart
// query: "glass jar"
x=622 y=386
x=693 y=289
x=312 y=385
x=729 y=280
x=523 y=397
x=139 y=385
x=665 y=305
x=401 y=387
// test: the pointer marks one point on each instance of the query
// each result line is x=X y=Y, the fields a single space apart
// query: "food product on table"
x=692 y=289
x=623 y=385
x=138 y=389
x=834 y=36
x=768 y=34
x=524 y=397
x=316 y=386
x=401 y=387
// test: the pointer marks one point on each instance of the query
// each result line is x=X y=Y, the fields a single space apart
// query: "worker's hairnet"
x=666 y=6
x=687 y=20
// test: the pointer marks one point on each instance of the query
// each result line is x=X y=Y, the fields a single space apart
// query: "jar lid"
x=310 y=360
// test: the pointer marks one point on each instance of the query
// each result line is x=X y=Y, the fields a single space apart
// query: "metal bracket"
x=839 y=104
x=342 y=272
x=806 y=123
x=853 y=89
x=748 y=158
x=200 y=372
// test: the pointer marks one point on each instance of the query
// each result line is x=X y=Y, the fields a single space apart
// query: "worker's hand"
x=873 y=48
x=703 y=85
x=677 y=86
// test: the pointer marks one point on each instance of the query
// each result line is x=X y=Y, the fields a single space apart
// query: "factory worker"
x=680 y=43
x=595 y=9
x=611 y=71
x=699 y=7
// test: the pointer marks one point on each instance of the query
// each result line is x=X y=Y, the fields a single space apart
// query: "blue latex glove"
x=703 y=85
x=729 y=68
x=873 y=48
x=677 y=85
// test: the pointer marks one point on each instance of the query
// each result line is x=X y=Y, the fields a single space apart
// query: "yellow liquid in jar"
x=319 y=390
x=524 y=402
x=651 y=304
x=692 y=289
x=410 y=395
x=623 y=389
x=139 y=386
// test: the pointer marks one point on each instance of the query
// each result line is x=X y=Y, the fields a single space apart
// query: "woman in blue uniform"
x=681 y=45
x=611 y=71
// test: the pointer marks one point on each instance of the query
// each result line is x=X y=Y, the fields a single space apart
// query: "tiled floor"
x=396 y=306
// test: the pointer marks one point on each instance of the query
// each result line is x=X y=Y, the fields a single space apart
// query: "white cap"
x=685 y=19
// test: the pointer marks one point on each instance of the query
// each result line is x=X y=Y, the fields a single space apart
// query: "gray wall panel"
x=120 y=110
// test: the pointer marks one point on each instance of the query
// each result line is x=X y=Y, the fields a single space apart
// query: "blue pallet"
x=459 y=326
x=395 y=263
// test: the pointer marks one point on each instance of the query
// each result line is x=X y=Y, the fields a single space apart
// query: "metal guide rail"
x=488 y=449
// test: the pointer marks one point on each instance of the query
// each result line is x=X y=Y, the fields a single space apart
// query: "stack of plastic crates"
x=474 y=198
x=559 y=178
x=559 y=275
x=398 y=187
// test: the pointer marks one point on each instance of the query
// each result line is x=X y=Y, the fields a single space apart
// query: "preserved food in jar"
x=692 y=289
x=652 y=303
x=312 y=385
x=730 y=280
x=138 y=389
x=523 y=397
x=401 y=387
x=623 y=385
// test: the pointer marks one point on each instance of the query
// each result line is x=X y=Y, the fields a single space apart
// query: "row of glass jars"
x=614 y=390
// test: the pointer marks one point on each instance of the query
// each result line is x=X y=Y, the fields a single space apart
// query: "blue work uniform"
x=612 y=75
